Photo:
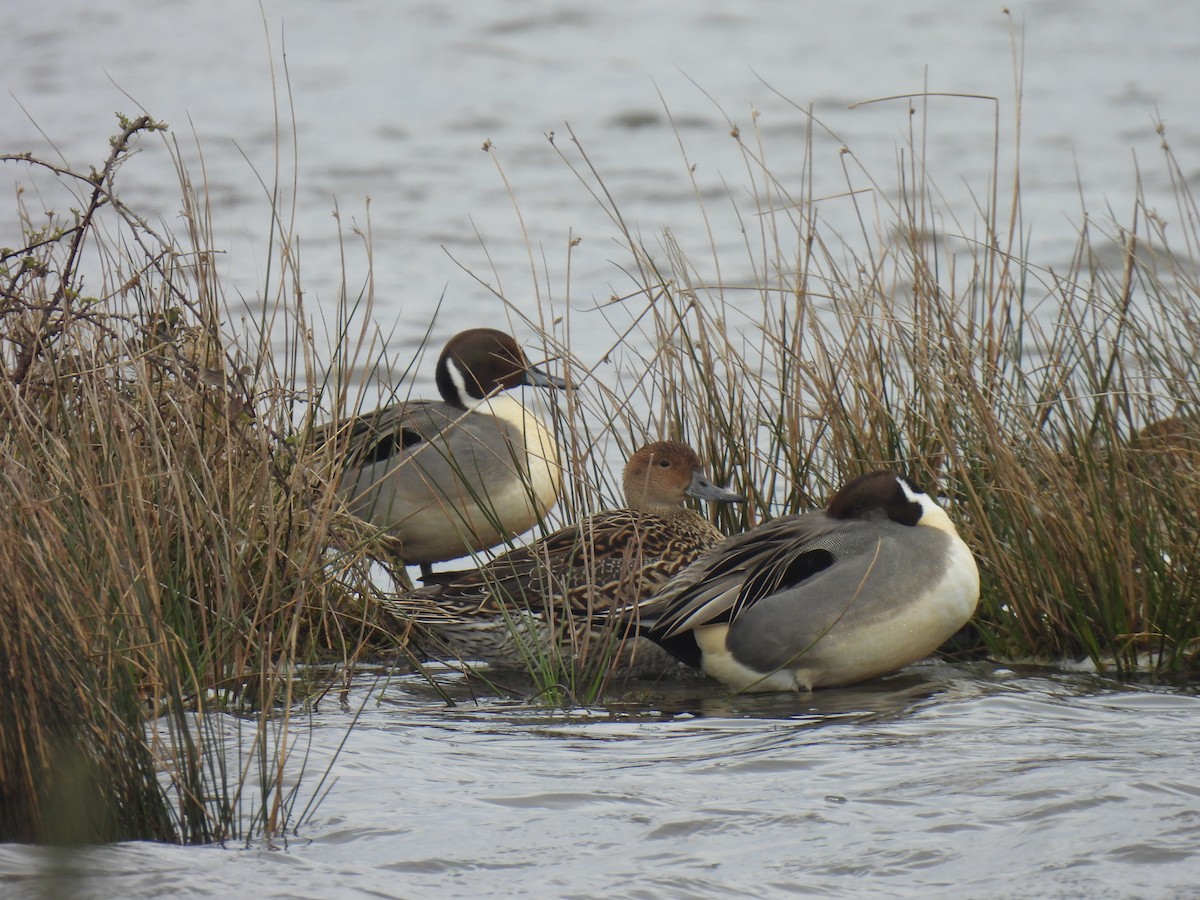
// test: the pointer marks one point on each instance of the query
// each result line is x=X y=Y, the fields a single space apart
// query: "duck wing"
x=608 y=559
x=386 y=432
x=741 y=571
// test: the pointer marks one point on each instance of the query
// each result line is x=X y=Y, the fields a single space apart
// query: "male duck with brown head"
x=451 y=477
x=564 y=586
x=876 y=581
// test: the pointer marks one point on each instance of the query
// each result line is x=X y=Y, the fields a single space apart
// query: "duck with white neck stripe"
x=451 y=477
x=828 y=598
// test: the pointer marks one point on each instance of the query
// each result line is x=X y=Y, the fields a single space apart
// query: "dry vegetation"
x=171 y=549
x=1055 y=412
x=168 y=548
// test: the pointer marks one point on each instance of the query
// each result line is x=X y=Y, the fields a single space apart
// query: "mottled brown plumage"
x=563 y=586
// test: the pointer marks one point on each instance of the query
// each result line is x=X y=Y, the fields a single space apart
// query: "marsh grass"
x=171 y=551
x=1054 y=411
x=566 y=657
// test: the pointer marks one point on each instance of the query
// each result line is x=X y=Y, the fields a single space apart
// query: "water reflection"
x=690 y=695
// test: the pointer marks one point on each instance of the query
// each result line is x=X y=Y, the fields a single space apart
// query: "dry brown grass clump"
x=1054 y=411
x=169 y=548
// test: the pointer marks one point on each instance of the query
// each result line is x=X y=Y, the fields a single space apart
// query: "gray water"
x=940 y=781
x=392 y=102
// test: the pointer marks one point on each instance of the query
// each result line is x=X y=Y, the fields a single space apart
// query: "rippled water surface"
x=940 y=781
x=393 y=101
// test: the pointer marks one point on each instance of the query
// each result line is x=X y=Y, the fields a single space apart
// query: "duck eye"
x=664 y=463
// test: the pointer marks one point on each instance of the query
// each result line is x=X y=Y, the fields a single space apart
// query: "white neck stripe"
x=458 y=379
x=910 y=495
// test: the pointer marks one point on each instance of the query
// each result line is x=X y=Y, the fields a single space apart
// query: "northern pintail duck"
x=566 y=584
x=451 y=477
x=876 y=581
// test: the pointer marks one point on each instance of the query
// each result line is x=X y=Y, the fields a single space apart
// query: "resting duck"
x=451 y=477
x=876 y=581
x=568 y=582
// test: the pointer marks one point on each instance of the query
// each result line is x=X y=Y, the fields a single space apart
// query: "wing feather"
x=380 y=434
x=741 y=571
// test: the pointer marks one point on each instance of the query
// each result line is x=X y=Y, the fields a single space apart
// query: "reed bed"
x=1053 y=411
x=174 y=549
x=171 y=550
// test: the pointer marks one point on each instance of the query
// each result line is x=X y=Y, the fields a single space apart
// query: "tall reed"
x=1055 y=411
x=170 y=548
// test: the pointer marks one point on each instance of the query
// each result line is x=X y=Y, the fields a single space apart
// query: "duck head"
x=880 y=494
x=481 y=361
x=886 y=495
x=659 y=478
